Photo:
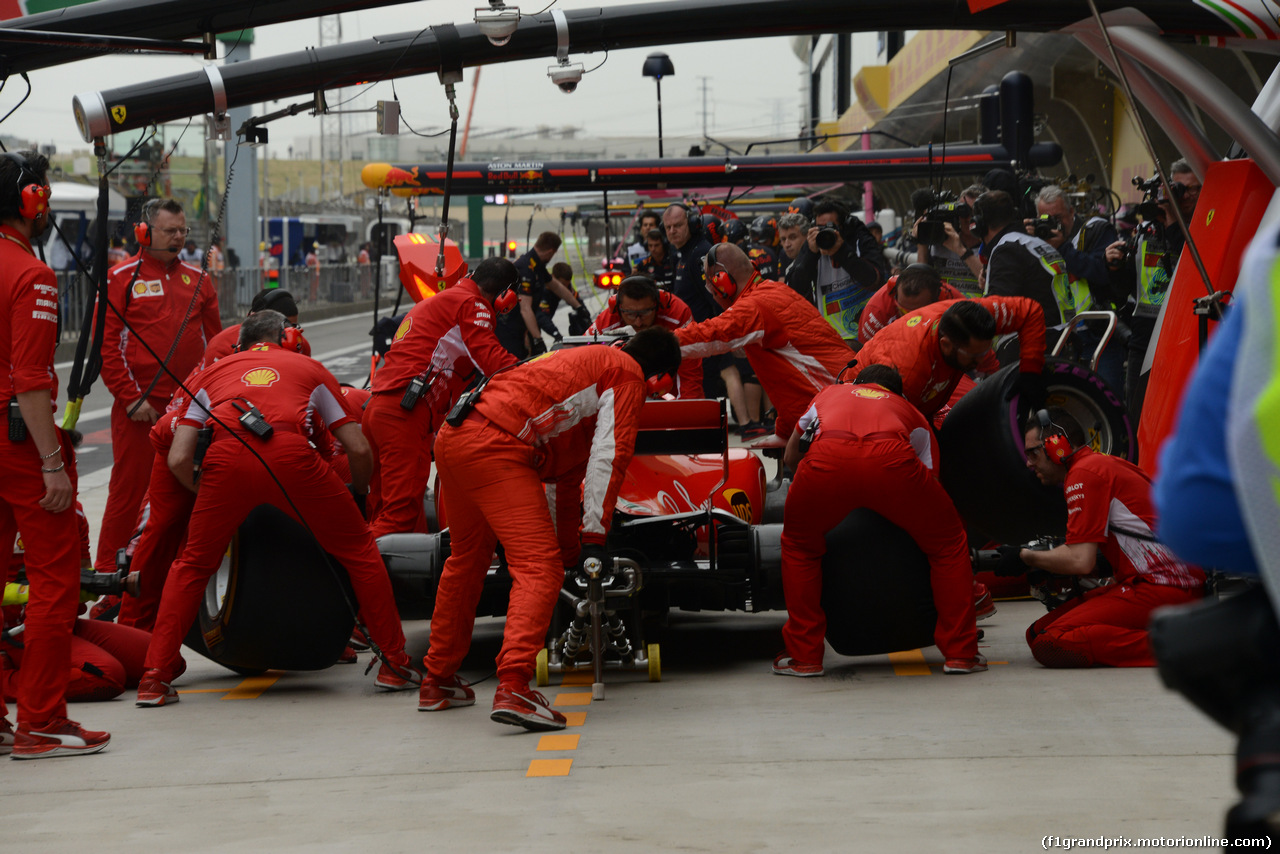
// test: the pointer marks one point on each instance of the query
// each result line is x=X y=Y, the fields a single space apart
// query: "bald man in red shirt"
x=869 y=447
x=289 y=392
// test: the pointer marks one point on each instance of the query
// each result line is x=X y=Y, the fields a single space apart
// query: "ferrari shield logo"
x=118 y=112
x=186 y=280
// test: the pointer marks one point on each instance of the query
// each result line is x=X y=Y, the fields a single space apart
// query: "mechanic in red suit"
x=153 y=291
x=276 y=299
x=868 y=447
x=37 y=470
x=105 y=658
x=1109 y=510
x=794 y=351
x=915 y=287
x=639 y=304
x=568 y=418
x=288 y=391
x=444 y=341
x=933 y=347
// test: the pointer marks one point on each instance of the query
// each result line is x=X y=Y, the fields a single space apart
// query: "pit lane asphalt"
x=719 y=756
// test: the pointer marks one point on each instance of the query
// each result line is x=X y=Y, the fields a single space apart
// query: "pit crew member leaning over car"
x=868 y=447
x=37 y=468
x=439 y=348
x=933 y=347
x=639 y=303
x=915 y=287
x=1109 y=510
x=793 y=350
x=568 y=418
x=265 y=389
x=276 y=299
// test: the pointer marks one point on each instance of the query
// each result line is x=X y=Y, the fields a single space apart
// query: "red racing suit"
x=224 y=344
x=793 y=350
x=910 y=345
x=567 y=418
x=290 y=390
x=154 y=302
x=28 y=336
x=450 y=338
x=673 y=313
x=875 y=439
x=1109 y=503
x=882 y=308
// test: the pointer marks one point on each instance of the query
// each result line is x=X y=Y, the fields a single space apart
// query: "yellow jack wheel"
x=655 y=663
x=542 y=675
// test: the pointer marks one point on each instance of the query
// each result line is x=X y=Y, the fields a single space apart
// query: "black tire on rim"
x=984 y=457
x=275 y=605
x=875 y=588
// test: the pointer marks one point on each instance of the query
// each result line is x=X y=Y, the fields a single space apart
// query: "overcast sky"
x=754 y=87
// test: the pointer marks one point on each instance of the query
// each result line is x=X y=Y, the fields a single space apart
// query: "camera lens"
x=826 y=237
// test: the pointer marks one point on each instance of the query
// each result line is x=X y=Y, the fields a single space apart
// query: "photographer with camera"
x=1021 y=264
x=945 y=239
x=1083 y=246
x=1109 y=511
x=1148 y=264
x=841 y=264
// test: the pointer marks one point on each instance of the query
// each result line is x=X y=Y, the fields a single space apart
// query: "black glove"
x=537 y=346
x=360 y=501
x=1010 y=564
x=600 y=553
x=1031 y=391
x=579 y=320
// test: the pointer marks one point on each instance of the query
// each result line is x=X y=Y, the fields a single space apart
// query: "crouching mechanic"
x=1109 y=510
x=639 y=304
x=868 y=447
x=568 y=418
x=440 y=346
x=265 y=383
x=793 y=350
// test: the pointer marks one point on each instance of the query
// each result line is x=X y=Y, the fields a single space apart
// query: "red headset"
x=1057 y=447
x=720 y=283
x=506 y=300
x=660 y=384
x=291 y=338
x=142 y=228
x=33 y=194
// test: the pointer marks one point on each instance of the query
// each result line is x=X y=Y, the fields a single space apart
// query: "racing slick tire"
x=875 y=588
x=984 y=465
x=274 y=604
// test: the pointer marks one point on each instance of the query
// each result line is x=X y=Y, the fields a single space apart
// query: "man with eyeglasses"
x=915 y=287
x=1109 y=512
x=168 y=305
x=639 y=304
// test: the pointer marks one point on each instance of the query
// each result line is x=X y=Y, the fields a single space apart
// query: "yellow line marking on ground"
x=578 y=678
x=575 y=718
x=909 y=663
x=252 y=688
x=558 y=742
x=577 y=698
x=549 y=768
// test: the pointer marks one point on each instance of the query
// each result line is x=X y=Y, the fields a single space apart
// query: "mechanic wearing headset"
x=269 y=398
x=639 y=303
x=864 y=445
x=915 y=287
x=1109 y=510
x=440 y=347
x=154 y=293
x=933 y=347
x=276 y=299
x=568 y=418
x=37 y=468
x=794 y=351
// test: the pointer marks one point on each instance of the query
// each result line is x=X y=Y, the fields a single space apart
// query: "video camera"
x=1149 y=207
x=932 y=229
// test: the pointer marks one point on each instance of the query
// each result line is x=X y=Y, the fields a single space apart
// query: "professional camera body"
x=1048 y=226
x=932 y=229
x=827 y=237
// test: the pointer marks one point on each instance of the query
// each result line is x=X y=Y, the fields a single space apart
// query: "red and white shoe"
x=358 y=641
x=154 y=689
x=348 y=656
x=785 y=665
x=983 y=606
x=436 y=695
x=401 y=678
x=6 y=737
x=526 y=708
x=965 y=665
x=59 y=737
